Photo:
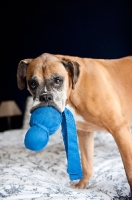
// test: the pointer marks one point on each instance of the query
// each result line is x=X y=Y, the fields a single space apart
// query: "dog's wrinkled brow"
x=33 y=78
x=57 y=76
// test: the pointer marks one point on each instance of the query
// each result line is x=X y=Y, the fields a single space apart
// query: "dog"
x=98 y=92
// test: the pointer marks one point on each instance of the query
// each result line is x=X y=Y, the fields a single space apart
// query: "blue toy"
x=44 y=122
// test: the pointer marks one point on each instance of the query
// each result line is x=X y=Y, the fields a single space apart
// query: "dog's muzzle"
x=45 y=99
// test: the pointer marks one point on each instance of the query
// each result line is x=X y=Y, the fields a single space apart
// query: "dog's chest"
x=82 y=124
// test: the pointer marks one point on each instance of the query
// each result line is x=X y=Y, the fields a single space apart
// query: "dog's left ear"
x=21 y=72
x=73 y=69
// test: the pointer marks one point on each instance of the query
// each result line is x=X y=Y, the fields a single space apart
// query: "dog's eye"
x=32 y=84
x=58 y=81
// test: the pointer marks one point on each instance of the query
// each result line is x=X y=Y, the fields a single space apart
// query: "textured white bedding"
x=42 y=175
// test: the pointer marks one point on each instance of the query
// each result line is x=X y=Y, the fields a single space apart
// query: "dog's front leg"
x=86 y=143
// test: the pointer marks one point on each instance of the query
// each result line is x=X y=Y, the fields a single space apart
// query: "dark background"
x=85 y=28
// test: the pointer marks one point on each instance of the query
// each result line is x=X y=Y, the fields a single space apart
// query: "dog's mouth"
x=42 y=104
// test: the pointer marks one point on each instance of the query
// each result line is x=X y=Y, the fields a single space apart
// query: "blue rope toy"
x=44 y=122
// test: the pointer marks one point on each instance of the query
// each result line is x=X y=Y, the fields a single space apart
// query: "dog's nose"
x=46 y=98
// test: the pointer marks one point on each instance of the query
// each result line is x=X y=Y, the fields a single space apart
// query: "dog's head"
x=49 y=79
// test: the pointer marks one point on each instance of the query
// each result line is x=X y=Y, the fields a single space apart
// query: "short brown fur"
x=103 y=97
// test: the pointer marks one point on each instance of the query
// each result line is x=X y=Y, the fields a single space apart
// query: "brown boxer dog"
x=99 y=93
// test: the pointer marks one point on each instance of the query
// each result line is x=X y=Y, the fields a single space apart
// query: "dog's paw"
x=82 y=184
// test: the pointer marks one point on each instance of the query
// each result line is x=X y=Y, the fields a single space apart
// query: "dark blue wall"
x=87 y=28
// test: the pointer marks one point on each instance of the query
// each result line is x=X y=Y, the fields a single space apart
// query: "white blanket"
x=33 y=176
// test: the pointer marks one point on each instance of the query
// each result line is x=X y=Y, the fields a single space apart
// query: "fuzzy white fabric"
x=33 y=176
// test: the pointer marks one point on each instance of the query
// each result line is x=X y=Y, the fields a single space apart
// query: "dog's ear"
x=21 y=72
x=73 y=69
